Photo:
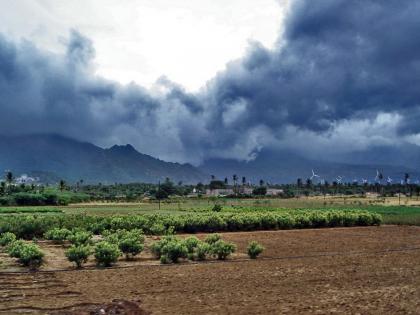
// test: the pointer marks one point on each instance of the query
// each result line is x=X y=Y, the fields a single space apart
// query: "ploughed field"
x=368 y=270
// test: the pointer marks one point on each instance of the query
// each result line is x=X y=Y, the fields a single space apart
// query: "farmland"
x=344 y=270
x=319 y=255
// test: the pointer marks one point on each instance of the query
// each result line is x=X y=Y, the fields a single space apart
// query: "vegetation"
x=106 y=253
x=32 y=226
x=7 y=238
x=254 y=249
x=78 y=254
x=80 y=237
x=29 y=255
x=58 y=235
x=222 y=249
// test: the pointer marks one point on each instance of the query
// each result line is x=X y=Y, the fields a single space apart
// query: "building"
x=274 y=192
x=26 y=180
x=219 y=192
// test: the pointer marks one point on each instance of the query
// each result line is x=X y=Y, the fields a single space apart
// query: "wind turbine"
x=389 y=180
x=378 y=176
x=314 y=175
x=364 y=181
x=339 y=179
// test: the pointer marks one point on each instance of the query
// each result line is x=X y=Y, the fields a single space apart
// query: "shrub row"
x=28 y=254
x=35 y=226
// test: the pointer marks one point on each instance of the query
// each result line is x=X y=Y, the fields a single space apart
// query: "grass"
x=17 y=210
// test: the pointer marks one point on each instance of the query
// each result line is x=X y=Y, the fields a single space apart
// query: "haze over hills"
x=52 y=157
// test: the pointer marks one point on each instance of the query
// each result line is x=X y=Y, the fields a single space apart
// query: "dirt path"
x=373 y=270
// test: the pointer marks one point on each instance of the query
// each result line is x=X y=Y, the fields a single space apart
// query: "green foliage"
x=14 y=248
x=202 y=250
x=259 y=191
x=29 y=255
x=212 y=238
x=222 y=249
x=170 y=248
x=130 y=246
x=217 y=208
x=191 y=243
x=106 y=253
x=7 y=238
x=78 y=254
x=80 y=237
x=254 y=249
x=244 y=220
x=58 y=235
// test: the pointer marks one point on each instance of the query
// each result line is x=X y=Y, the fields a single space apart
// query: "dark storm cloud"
x=343 y=70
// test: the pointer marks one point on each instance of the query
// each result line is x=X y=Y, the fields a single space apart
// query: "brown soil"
x=374 y=270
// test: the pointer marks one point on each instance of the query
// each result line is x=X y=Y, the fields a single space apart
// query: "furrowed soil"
x=372 y=270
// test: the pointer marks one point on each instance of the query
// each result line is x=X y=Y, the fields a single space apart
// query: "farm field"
x=371 y=270
x=392 y=213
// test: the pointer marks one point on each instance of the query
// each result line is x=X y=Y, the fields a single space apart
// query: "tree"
x=243 y=180
x=213 y=177
x=62 y=185
x=226 y=181
x=9 y=177
x=261 y=182
x=299 y=182
x=235 y=179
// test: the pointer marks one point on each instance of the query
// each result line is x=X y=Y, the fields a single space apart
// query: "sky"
x=142 y=40
x=190 y=80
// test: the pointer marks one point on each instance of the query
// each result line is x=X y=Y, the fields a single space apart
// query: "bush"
x=27 y=254
x=130 y=246
x=106 y=253
x=78 y=254
x=170 y=248
x=14 y=248
x=202 y=250
x=80 y=238
x=191 y=243
x=7 y=238
x=217 y=208
x=212 y=238
x=57 y=235
x=254 y=249
x=222 y=249
x=174 y=250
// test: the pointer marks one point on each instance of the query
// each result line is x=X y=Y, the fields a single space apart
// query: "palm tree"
x=9 y=177
x=243 y=180
x=226 y=180
x=261 y=182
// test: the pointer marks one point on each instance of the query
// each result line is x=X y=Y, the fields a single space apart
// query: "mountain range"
x=54 y=157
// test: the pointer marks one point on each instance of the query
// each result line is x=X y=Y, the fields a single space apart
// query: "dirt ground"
x=372 y=270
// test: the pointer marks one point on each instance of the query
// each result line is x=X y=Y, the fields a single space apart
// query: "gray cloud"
x=345 y=76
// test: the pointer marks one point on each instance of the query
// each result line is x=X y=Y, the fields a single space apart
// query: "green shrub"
x=164 y=259
x=130 y=246
x=202 y=250
x=29 y=255
x=78 y=254
x=191 y=243
x=254 y=249
x=156 y=247
x=106 y=253
x=174 y=250
x=217 y=208
x=212 y=238
x=7 y=238
x=222 y=249
x=14 y=248
x=80 y=238
x=57 y=235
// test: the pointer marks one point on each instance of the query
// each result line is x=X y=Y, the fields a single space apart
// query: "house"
x=219 y=192
x=274 y=192
x=26 y=180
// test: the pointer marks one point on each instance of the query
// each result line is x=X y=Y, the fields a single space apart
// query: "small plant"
x=14 y=248
x=217 y=208
x=254 y=249
x=212 y=238
x=130 y=246
x=78 y=254
x=106 y=253
x=175 y=250
x=80 y=238
x=191 y=243
x=202 y=250
x=57 y=235
x=164 y=259
x=27 y=254
x=156 y=247
x=222 y=249
x=7 y=238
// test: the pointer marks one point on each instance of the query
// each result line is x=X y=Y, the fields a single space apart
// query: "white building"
x=25 y=179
